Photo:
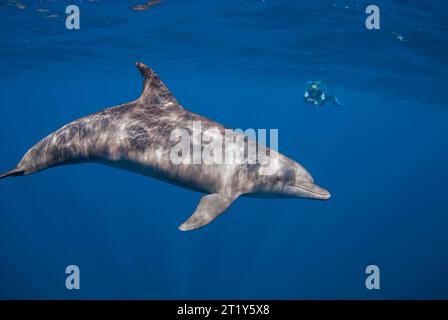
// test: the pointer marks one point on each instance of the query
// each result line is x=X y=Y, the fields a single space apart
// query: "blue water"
x=245 y=64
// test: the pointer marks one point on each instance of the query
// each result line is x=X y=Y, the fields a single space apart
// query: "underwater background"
x=245 y=64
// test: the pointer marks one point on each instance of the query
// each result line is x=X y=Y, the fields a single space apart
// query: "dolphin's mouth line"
x=311 y=190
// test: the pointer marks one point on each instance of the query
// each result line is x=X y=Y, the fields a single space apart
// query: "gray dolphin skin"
x=137 y=136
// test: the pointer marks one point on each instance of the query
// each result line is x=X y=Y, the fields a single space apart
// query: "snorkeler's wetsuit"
x=318 y=98
x=314 y=96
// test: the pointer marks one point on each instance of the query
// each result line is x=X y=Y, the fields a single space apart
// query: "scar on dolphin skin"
x=146 y=6
x=136 y=136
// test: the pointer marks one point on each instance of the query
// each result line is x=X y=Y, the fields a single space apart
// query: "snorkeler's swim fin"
x=337 y=102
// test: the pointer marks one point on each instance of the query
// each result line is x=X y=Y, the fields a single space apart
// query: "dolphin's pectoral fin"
x=210 y=207
x=155 y=92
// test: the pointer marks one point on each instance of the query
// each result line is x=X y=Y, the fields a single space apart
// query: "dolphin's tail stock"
x=12 y=173
x=53 y=150
x=32 y=161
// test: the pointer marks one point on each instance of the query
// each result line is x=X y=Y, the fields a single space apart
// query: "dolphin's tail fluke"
x=12 y=173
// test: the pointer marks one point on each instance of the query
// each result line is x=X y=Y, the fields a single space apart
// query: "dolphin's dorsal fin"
x=155 y=92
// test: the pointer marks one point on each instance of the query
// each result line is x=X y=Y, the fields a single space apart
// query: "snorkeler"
x=316 y=95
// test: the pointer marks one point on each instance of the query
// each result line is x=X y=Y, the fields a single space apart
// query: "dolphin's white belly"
x=209 y=178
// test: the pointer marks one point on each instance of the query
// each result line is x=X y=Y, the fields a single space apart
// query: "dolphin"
x=138 y=137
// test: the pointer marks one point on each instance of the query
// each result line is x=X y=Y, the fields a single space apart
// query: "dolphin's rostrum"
x=136 y=136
